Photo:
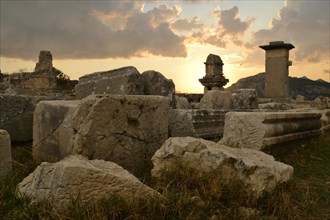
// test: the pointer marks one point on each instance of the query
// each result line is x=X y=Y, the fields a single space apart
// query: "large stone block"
x=182 y=103
x=125 y=80
x=157 y=84
x=123 y=129
x=207 y=124
x=257 y=130
x=88 y=180
x=216 y=99
x=5 y=154
x=244 y=99
x=154 y=83
x=16 y=115
x=258 y=171
x=321 y=102
x=47 y=125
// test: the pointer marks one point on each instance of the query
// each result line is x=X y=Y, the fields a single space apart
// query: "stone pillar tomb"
x=277 y=69
x=214 y=78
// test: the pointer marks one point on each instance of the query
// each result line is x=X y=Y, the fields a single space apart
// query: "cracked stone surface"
x=216 y=99
x=126 y=130
x=47 y=126
x=258 y=171
x=76 y=176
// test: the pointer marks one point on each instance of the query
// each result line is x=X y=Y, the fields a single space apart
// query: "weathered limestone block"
x=157 y=84
x=257 y=130
x=47 y=124
x=321 y=102
x=216 y=99
x=300 y=98
x=244 y=99
x=88 y=180
x=207 y=124
x=154 y=83
x=257 y=170
x=5 y=154
x=325 y=119
x=126 y=81
x=126 y=130
x=16 y=115
x=274 y=106
x=182 y=103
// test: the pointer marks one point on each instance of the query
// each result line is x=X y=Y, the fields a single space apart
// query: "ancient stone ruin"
x=122 y=121
x=277 y=69
x=214 y=78
x=45 y=63
x=44 y=80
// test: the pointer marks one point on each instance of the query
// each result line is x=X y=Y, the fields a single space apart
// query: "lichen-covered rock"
x=216 y=99
x=258 y=171
x=244 y=99
x=124 y=129
x=77 y=177
x=5 y=154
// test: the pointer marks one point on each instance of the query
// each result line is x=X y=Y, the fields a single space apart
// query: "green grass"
x=190 y=195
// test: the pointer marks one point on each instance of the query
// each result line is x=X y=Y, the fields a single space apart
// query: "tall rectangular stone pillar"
x=277 y=69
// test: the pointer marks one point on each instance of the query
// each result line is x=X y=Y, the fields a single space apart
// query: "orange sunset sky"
x=172 y=37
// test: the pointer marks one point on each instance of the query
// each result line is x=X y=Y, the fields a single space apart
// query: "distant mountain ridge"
x=308 y=88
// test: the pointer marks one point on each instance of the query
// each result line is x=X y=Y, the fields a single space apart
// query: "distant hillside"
x=297 y=86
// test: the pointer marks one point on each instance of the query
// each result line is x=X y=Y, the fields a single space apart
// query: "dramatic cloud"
x=186 y=25
x=89 y=29
x=230 y=29
x=304 y=24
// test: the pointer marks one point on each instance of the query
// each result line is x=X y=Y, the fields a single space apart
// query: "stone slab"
x=258 y=171
x=207 y=124
x=47 y=125
x=125 y=81
x=78 y=177
x=257 y=130
x=216 y=99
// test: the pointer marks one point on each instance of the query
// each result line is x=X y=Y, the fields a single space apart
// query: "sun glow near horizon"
x=171 y=37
